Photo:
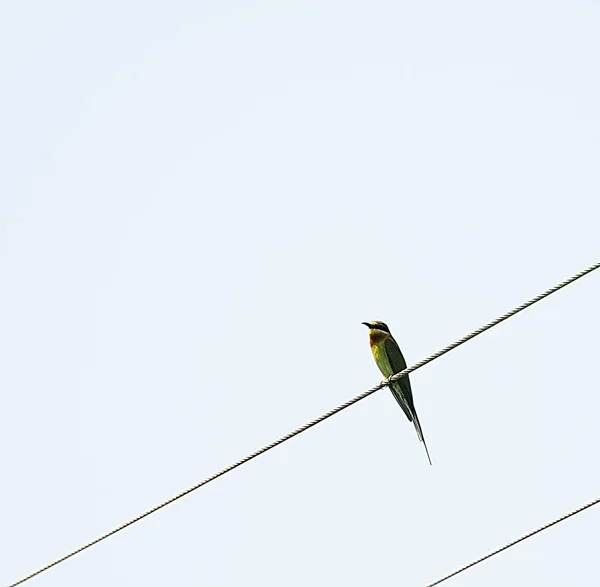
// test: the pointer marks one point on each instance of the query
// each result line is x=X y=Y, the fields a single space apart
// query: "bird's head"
x=377 y=325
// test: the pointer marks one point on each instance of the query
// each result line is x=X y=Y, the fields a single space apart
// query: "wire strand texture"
x=316 y=421
x=524 y=537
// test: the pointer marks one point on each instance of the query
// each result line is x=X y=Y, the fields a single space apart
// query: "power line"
x=316 y=421
x=507 y=546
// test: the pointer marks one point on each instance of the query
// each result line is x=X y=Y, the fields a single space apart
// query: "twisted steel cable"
x=507 y=546
x=316 y=421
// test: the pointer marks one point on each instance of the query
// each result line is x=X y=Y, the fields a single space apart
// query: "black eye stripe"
x=381 y=327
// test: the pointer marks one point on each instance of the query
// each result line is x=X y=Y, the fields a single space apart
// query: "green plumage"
x=401 y=389
x=390 y=360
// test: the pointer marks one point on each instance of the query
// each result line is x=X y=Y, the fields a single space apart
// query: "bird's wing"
x=397 y=362
x=401 y=389
x=399 y=396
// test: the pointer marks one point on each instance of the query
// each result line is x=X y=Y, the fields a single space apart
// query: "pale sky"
x=200 y=202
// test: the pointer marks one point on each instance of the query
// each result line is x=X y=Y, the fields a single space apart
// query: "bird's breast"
x=380 y=356
x=377 y=337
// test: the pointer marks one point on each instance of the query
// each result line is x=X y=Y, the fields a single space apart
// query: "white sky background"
x=199 y=204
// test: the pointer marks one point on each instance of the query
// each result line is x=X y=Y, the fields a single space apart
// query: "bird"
x=390 y=360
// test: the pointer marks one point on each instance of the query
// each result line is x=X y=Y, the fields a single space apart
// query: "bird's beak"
x=366 y=324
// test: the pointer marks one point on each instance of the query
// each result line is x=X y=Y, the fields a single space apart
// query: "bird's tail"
x=420 y=432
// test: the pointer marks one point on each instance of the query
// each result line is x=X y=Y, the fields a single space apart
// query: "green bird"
x=390 y=361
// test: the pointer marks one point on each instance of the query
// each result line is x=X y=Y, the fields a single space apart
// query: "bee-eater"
x=390 y=361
